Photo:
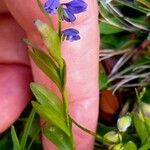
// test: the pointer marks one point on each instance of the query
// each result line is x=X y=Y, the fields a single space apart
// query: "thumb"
x=82 y=65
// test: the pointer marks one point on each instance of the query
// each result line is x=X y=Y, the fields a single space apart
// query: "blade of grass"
x=27 y=130
x=36 y=133
x=16 y=144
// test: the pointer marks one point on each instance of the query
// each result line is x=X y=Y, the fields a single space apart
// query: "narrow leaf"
x=145 y=146
x=39 y=50
x=106 y=28
x=27 y=130
x=140 y=128
x=51 y=40
x=45 y=64
x=103 y=79
x=16 y=144
x=51 y=116
x=47 y=98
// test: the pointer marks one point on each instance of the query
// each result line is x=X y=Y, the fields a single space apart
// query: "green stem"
x=65 y=100
x=59 y=21
x=16 y=144
x=98 y=137
x=63 y=75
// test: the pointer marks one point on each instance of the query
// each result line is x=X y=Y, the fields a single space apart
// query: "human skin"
x=82 y=67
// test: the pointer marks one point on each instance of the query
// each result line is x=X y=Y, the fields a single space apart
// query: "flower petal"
x=68 y=16
x=71 y=34
x=76 y=6
x=51 y=6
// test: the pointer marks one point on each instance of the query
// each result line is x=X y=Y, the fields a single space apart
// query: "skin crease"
x=82 y=65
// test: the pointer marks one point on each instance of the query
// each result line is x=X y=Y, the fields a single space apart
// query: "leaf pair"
x=51 y=109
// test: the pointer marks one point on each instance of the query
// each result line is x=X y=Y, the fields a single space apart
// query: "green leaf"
x=103 y=79
x=140 y=128
x=51 y=40
x=113 y=42
x=51 y=116
x=130 y=146
x=45 y=63
x=16 y=144
x=145 y=146
x=27 y=129
x=47 y=98
x=50 y=107
x=41 y=52
x=106 y=28
x=59 y=138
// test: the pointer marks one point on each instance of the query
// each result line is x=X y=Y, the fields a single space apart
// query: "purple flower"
x=67 y=15
x=51 y=6
x=71 y=8
x=76 y=6
x=68 y=9
x=71 y=34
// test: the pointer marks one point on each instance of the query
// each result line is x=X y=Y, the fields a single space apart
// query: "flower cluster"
x=68 y=14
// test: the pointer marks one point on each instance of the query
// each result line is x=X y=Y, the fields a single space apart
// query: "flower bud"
x=123 y=123
x=112 y=137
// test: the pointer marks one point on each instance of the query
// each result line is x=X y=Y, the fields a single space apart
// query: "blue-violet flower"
x=51 y=6
x=68 y=9
x=71 y=8
x=71 y=34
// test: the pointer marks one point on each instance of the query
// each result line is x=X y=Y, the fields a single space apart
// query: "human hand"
x=82 y=67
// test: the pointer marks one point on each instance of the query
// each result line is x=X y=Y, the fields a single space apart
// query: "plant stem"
x=16 y=144
x=98 y=137
x=59 y=21
x=63 y=71
x=65 y=100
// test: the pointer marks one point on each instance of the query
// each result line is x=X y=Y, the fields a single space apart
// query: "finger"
x=3 y=7
x=82 y=65
x=15 y=73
